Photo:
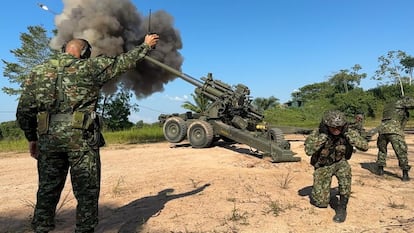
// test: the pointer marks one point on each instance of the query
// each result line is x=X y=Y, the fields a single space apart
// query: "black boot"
x=340 y=212
x=405 y=176
x=380 y=170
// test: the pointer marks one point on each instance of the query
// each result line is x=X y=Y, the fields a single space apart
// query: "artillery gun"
x=230 y=116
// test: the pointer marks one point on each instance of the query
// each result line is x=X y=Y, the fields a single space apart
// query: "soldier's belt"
x=79 y=120
x=61 y=117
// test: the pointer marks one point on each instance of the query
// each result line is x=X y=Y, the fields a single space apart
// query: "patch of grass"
x=276 y=208
x=28 y=203
x=237 y=216
x=146 y=134
x=285 y=181
x=63 y=202
x=194 y=183
x=117 y=189
x=231 y=199
x=394 y=205
x=17 y=145
x=133 y=136
x=359 y=182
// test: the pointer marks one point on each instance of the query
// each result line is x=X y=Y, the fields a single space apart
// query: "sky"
x=272 y=46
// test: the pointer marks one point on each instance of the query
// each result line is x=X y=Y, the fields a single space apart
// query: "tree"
x=408 y=64
x=391 y=68
x=345 y=80
x=356 y=101
x=200 y=104
x=117 y=110
x=263 y=104
x=315 y=91
x=34 y=50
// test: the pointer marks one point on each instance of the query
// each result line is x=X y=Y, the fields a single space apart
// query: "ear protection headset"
x=86 y=50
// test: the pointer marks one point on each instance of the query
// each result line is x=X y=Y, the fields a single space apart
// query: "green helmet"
x=334 y=118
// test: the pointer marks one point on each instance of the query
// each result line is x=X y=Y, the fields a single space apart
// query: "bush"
x=9 y=130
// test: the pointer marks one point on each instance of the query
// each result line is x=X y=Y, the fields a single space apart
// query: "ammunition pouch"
x=83 y=120
x=340 y=152
x=43 y=123
x=92 y=133
x=90 y=123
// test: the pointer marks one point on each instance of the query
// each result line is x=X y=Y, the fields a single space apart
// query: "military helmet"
x=334 y=118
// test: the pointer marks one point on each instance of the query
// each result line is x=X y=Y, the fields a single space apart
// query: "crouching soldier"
x=330 y=147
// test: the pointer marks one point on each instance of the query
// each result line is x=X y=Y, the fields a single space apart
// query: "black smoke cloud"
x=113 y=27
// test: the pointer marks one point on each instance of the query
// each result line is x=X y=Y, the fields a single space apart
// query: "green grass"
x=134 y=136
x=17 y=145
x=146 y=134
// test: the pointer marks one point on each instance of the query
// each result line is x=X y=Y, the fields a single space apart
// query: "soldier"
x=358 y=124
x=391 y=130
x=330 y=147
x=56 y=111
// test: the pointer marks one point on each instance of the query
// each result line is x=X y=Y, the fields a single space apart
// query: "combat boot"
x=340 y=212
x=405 y=176
x=380 y=170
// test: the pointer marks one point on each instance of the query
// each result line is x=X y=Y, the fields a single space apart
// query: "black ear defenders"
x=86 y=50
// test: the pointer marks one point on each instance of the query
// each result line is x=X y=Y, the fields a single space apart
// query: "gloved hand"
x=322 y=139
x=340 y=149
x=350 y=136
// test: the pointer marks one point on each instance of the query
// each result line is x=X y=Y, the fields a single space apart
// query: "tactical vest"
x=53 y=111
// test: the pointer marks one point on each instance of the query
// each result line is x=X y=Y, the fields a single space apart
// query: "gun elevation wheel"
x=200 y=134
x=174 y=129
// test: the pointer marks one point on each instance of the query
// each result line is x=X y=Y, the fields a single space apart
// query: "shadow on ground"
x=373 y=168
x=125 y=219
x=131 y=217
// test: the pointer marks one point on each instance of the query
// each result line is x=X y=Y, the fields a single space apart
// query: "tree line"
x=341 y=91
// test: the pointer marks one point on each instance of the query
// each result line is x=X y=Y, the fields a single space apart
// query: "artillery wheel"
x=174 y=129
x=200 y=134
x=276 y=135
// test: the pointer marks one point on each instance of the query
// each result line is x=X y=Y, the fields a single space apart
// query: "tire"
x=200 y=134
x=174 y=129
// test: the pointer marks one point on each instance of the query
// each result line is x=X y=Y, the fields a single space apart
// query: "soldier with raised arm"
x=56 y=111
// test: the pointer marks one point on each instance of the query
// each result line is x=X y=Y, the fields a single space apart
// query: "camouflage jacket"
x=358 y=126
x=326 y=149
x=395 y=116
x=65 y=85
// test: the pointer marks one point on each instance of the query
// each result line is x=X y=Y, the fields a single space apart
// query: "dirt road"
x=153 y=188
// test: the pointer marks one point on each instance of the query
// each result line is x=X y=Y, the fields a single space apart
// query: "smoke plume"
x=113 y=27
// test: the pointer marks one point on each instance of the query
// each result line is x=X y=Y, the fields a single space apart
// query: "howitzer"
x=229 y=116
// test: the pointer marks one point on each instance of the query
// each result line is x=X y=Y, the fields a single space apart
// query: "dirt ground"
x=162 y=188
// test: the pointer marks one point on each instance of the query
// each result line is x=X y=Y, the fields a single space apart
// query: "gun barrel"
x=180 y=74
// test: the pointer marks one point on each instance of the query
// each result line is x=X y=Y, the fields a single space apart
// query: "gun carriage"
x=230 y=116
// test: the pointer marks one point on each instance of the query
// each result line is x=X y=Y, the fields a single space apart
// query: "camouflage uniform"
x=391 y=130
x=358 y=124
x=329 y=154
x=57 y=109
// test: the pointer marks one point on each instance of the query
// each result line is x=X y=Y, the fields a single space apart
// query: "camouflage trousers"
x=85 y=169
x=322 y=179
x=400 y=148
